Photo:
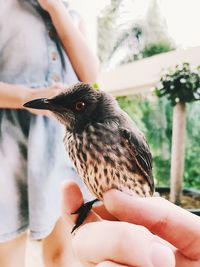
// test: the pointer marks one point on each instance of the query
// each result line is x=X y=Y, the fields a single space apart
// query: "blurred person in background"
x=43 y=48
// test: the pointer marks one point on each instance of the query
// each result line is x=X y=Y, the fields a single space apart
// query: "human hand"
x=175 y=242
x=46 y=92
x=180 y=228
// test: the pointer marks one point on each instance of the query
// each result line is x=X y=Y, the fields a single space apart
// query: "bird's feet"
x=82 y=213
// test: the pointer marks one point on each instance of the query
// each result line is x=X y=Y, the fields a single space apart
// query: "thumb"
x=72 y=199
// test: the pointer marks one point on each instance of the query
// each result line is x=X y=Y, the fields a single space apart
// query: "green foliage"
x=192 y=160
x=95 y=86
x=154 y=117
x=180 y=85
x=107 y=34
x=122 y=39
x=159 y=47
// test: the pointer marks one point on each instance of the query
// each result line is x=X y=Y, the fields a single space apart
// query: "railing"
x=144 y=74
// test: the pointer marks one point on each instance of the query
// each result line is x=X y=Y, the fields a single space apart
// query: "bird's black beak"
x=42 y=103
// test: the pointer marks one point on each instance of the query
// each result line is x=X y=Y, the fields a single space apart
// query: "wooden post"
x=178 y=152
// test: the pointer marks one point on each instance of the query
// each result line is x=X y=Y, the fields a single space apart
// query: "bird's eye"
x=79 y=106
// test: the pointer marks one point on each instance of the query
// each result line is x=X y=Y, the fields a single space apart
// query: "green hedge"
x=154 y=117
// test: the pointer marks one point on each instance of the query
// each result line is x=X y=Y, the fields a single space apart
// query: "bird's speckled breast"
x=101 y=161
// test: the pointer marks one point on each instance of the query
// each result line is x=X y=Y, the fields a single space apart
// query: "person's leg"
x=57 y=250
x=12 y=253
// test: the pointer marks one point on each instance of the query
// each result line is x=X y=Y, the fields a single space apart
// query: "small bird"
x=107 y=149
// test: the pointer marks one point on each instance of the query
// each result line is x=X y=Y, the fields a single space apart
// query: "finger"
x=172 y=223
x=57 y=88
x=110 y=264
x=120 y=242
x=103 y=213
x=59 y=85
x=72 y=199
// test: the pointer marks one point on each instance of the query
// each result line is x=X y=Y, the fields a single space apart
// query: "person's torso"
x=28 y=55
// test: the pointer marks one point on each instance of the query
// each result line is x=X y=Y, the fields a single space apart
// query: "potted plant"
x=181 y=86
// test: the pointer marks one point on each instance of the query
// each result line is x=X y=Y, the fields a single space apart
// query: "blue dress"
x=32 y=156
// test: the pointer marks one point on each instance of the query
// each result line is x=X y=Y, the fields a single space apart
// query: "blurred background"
x=126 y=35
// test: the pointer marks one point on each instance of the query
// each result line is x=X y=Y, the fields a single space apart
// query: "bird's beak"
x=42 y=103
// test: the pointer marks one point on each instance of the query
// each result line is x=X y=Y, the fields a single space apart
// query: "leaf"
x=181 y=83
x=95 y=86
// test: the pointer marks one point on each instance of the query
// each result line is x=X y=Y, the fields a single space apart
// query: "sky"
x=182 y=18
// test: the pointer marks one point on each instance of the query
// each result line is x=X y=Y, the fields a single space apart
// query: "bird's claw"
x=82 y=213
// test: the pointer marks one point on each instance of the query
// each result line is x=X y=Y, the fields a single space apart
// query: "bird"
x=106 y=147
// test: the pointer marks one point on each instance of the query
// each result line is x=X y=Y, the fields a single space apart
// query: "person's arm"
x=14 y=96
x=83 y=59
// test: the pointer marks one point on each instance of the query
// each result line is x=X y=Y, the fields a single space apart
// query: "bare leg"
x=57 y=250
x=12 y=253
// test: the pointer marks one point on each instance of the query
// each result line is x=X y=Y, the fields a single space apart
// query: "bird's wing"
x=139 y=149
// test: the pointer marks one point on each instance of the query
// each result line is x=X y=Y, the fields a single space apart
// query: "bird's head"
x=77 y=106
